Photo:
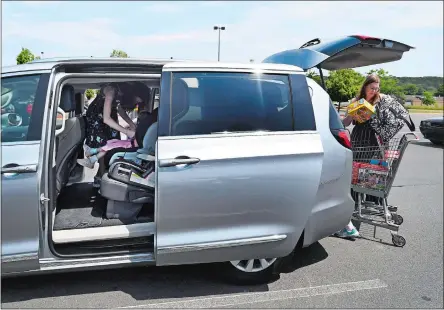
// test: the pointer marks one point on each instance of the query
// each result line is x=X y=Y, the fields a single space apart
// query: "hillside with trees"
x=424 y=83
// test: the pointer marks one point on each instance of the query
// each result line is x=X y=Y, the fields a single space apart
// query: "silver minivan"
x=250 y=162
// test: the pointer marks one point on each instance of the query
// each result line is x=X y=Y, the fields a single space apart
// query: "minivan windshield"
x=206 y=103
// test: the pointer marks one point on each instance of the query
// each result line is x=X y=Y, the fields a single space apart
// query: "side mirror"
x=60 y=122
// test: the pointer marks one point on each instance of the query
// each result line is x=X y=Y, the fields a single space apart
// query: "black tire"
x=398 y=219
x=398 y=241
x=235 y=276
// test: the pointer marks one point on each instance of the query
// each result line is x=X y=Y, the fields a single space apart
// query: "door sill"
x=48 y=265
x=104 y=233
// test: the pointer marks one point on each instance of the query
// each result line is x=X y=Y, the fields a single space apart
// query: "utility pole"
x=219 y=28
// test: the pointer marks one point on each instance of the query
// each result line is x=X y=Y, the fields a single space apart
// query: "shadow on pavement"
x=143 y=283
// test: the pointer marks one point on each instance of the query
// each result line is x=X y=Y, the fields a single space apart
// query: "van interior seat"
x=70 y=141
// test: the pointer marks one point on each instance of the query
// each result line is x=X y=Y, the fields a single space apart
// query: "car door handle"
x=15 y=168
x=181 y=160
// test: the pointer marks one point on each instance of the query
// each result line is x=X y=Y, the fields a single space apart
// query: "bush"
x=428 y=99
x=89 y=93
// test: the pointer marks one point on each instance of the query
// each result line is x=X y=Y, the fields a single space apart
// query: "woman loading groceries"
x=363 y=135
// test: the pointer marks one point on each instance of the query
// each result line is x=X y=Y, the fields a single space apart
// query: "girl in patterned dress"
x=102 y=118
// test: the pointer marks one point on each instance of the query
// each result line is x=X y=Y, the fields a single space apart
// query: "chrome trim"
x=17 y=258
x=237 y=70
x=242 y=134
x=109 y=76
x=220 y=244
x=51 y=263
x=25 y=72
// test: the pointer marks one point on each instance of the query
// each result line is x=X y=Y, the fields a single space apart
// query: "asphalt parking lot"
x=334 y=273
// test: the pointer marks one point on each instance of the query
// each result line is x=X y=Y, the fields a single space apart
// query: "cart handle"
x=412 y=134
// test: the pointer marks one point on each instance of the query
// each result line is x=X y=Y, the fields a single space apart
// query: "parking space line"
x=258 y=297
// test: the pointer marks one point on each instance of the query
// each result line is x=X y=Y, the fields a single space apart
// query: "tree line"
x=342 y=85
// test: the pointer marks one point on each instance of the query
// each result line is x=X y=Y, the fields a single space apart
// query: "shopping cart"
x=374 y=170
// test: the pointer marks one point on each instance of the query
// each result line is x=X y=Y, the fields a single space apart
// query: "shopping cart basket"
x=374 y=170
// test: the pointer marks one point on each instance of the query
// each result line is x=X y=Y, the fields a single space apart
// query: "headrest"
x=78 y=101
x=67 y=99
x=180 y=99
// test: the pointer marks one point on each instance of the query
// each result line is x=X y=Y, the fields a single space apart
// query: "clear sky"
x=254 y=30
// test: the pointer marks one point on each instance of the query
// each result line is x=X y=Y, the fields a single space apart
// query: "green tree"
x=421 y=90
x=316 y=77
x=24 y=56
x=119 y=53
x=389 y=84
x=410 y=89
x=428 y=99
x=344 y=84
x=440 y=91
x=89 y=93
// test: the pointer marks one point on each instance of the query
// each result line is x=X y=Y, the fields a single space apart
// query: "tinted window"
x=23 y=100
x=303 y=113
x=206 y=103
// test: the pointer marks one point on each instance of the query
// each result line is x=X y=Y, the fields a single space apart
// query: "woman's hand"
x=132 y=126
x=130 y=133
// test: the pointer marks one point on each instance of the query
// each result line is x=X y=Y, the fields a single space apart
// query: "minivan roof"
x=48 y=63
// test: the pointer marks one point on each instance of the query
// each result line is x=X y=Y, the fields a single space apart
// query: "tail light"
x=337 y=128
x=343 y=137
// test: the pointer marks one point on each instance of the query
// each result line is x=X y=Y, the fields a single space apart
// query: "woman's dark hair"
x=142 y=91
x=131 y=90
x=371 y=78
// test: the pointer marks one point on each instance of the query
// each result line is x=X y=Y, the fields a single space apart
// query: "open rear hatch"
x=343 y=53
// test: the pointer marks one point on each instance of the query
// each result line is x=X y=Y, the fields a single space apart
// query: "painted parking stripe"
x=249 y=298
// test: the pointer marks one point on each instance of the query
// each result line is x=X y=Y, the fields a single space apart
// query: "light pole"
x=218 y=44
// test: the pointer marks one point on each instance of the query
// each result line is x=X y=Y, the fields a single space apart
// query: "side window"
x=22 y=110
x=206 y=103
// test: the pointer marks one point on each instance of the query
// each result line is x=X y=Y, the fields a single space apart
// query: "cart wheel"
x=398 y=219
x=398 y=240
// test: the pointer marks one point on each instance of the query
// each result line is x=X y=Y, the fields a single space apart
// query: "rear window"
x=208 y=103
x=23 y=99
